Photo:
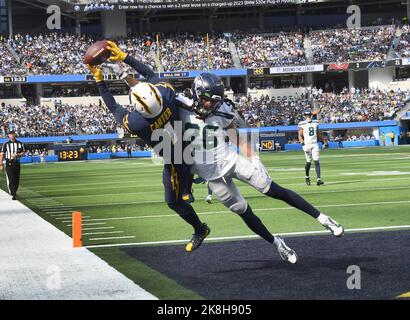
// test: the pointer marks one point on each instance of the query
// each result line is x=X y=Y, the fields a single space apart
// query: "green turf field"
x=122 y=202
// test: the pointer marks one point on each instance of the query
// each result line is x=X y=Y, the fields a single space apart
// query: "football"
x=97 y=53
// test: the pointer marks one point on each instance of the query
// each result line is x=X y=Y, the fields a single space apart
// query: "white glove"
x=113 y=67
x=305 y=148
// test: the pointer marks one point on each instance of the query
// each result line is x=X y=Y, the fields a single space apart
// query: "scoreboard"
x=267 y=145
x=71 y=151
x=268 y=140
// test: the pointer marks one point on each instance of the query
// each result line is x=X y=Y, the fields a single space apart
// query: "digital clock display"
x=72 y=154
x=14 y=79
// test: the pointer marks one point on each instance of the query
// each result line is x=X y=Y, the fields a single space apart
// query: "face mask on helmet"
x=208 y=92
x=308 y=116
x=146 y=99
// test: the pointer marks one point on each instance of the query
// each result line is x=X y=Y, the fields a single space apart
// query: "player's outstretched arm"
x=118 y=55
x=300 y=136
x=118 y=111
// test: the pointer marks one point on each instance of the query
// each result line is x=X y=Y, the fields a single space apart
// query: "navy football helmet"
x=308 y=115
x=209 y=87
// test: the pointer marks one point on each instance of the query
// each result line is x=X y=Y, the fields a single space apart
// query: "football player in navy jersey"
x=154 y=108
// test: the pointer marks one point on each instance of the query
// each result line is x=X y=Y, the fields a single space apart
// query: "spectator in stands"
x=341 y=45
x=270 y=50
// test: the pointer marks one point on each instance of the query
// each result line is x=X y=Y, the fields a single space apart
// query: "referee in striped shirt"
x=11 y=151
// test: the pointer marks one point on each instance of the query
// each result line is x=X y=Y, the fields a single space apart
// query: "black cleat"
x=319 y=182
x=197 y=239
x=307 y=181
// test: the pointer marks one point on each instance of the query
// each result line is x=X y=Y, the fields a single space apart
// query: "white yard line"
x=97 y=228
x=60 y=213
x=102 y=232
x=244 y=237
x=60 y=218
x=261 y=209
x=86 y=224
x=104 y=195
x=111 y=238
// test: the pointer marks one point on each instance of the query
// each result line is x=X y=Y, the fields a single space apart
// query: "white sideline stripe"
x=111 y=238
x=32 y=249
x=102 y=232
x=261 y=209
x=243 y=237
x=98 y=228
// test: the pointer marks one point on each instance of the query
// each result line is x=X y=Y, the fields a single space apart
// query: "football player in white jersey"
x=308 y=133
x=207 y=120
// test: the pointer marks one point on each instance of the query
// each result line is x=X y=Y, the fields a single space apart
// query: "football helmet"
x=307 y=114
x=146 y=99
x=208 y=93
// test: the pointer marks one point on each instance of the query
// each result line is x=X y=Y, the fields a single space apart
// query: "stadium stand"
x=341 y=45
x=42 y=54
x=268 y=50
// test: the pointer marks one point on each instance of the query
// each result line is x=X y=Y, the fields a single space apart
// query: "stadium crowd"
x=35 y=120
x=57 y=53
x=403 y=47
x=186 y=51
x=361 y=105
x=341 y=45
x=346 y=106
x=266 y=50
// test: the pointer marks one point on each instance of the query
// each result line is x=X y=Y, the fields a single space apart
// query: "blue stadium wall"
x=383 y=126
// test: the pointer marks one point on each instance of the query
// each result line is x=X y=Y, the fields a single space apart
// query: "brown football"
x=97 y=53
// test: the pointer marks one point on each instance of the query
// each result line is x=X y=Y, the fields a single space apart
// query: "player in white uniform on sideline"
x=308 y=133
x=206 y=118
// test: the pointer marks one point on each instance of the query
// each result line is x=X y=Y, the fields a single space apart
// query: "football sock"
x=187 y=213
x=292 y=199
x=256 y=225
x=307 y=168
x=209 y=191
x=317 y=168
x=322 y=218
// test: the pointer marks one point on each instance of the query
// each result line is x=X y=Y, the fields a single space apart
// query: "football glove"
x=112 y=67
x=96 y=72
x=117 y=53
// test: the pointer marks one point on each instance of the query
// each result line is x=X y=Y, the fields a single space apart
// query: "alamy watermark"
x=355 y=20
x=54 y=20
x=193 y=144
x=354 y=281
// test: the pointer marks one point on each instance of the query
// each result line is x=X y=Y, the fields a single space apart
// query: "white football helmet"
x=146 y=99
